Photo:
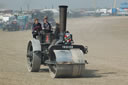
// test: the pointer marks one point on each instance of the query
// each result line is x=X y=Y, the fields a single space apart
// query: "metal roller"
x=67 y=70
x=70 y=63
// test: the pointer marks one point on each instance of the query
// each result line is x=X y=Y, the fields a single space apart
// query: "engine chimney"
x=63 y=21
x=63 y=18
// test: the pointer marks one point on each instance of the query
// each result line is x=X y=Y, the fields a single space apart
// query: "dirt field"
x=106 y=37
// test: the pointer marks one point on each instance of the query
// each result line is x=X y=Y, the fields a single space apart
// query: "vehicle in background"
x=22 y=20
x=11 y=26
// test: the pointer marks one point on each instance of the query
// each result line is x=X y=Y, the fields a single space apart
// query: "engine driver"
x=36 y=28
x=46 y=25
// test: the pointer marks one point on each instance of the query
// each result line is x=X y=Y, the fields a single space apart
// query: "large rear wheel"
x=33 y=59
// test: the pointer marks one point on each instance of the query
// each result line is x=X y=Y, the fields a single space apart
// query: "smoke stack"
x=63 y=21
x=63 y=18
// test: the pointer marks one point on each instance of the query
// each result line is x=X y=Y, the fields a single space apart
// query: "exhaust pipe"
x=63 y=22
x=63 y=18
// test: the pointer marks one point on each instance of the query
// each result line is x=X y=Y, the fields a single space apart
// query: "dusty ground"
x=106 y=37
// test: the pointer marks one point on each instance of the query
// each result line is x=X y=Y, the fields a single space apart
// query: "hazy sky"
x=35 y=4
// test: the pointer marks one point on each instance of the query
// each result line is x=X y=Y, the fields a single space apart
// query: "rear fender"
x=36 y=45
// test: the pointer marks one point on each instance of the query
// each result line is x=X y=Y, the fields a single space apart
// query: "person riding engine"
x=36 y=28
x=46 y=25
x=47 y=31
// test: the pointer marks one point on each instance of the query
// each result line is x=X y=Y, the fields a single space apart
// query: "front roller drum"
x=66 y=70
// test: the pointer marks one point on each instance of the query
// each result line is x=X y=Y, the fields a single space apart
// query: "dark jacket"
x=47 y=27
x=37 y=27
